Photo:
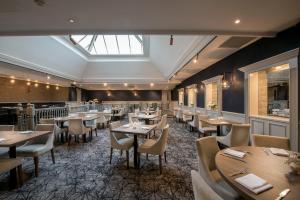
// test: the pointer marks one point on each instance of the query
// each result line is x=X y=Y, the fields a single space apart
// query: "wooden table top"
x=87 y=117
x=13 y=138
x=140 y=130
x=218 y=122
x=270 y=167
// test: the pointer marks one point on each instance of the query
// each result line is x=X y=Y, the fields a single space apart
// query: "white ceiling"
x=206 y=17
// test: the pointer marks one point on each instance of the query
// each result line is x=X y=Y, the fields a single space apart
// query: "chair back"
x=76 y=126
x=162 y=123
x=196 y=121
x=113 y=125
x=47 y=121
x=240 y=134
x=161 y=144
x=7 y=127
x=202 y=124
x=101 y=118
x=270 y=141
x=202 y=191
x=48 y=140
x=179 y=114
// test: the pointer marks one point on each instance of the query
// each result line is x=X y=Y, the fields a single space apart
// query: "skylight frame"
x=85 y=50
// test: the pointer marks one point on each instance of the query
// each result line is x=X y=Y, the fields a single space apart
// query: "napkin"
x=279 y=152
x=126 y=125
x=2 y=140
x=253 y=183
x=146 y=127
x=25 y=132
x=235 y=153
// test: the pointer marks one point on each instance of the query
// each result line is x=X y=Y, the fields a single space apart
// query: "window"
x=110 y=44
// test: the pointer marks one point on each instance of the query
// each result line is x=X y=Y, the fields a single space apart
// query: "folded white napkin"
x=126 y=125
x=253 y=183
x=145 y=127
x=2 y=140
x=235 y=153
x=25 y=132
x=279 y=152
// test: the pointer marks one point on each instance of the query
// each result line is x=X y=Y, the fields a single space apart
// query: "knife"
x=283 y=194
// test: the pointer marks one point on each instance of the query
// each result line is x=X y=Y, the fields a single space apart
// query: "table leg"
x=135 y=146
x=218 y=130
x=13 y=172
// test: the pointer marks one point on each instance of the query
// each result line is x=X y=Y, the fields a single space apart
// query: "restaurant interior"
x=149 y=99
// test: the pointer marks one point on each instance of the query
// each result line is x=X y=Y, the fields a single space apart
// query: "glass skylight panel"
x=110 y=44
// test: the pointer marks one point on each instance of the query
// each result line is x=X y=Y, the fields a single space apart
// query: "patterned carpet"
x=82 y=171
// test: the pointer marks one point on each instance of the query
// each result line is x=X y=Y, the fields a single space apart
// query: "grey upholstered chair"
x=238 y=136
x=195 y=123
x=57 y=131
x=4 y=150
x=207 y=148
x=119 y=141
x=156 y=147
x=76 y=128
x=39 y=146
x=202 y=191
x=270 y=141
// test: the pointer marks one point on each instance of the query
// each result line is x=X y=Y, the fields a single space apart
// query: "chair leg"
x=127 y=158
x=52 y=155
x=20 y=175
x=69 y=140
x=147 y=156
x=139 y=160
x=160 y=165
x=36 y=166
x=121 y=152
x=111 y=153
x=96 y=132
x=165 y=155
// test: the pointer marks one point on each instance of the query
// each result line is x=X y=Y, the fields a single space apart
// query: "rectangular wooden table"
x=12 y=140
x=218 y=123
x=143 y=130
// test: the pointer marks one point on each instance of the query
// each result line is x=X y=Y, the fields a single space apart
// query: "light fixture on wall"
x=12 y=81
x=171 y=40
x=47 y=86
x=28 y=83
x=36 y=85
x=57 y=88
x=135 y=93
x=227 y=80
x=108 y=93
x=74 y=83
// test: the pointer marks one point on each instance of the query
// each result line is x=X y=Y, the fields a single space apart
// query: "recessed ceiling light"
x=151 y=84
x=105 y=84
x=237 y=21
x=71 y=20
x=125 y=84
x=74 y=82
x=48 y=77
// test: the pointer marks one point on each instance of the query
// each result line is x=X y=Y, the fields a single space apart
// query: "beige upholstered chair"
x=161 y=124
x=205 y=128
x=4 y=150
x=179 y=115
x=186 y=118
x=239 y=135
x=207 y=148
x=270 y=141
x=101 y=121
x=119 y=141
x=76 y=128
x=39 y=146
x=57 y=131
x=6 y=164
x=156 y=147
x=202 y=191
x=195 y=123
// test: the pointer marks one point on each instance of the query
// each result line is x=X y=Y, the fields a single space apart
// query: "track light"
x=171 y=40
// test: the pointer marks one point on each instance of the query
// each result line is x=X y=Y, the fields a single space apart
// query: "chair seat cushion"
x=32 y=150
x=145 y=147
x=126 y=143
x=7 y=164
x=208 y=129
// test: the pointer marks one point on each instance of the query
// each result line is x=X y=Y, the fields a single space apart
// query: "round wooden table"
x=270 y=167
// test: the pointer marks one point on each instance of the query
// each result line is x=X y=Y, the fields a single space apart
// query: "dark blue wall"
x=233 y=97
x=122 y=95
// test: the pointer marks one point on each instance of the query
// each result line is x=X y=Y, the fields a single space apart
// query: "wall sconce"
x=135 y=93
x=227 y=80
x=108 y=93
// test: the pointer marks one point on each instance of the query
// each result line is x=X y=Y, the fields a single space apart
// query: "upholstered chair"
x=195 y=123
x=156 y=147
x=202 y=191
x=119 y=141
x=207 y=149
x=36 y=148
x=161 y=124
x=92 y=125
x=186 y=118
x=239 y=135
x=205 y=128
x=57 y=131
x=7 y=164
x=179 y=115
x=101 y=121
x=76 y=128
x=270 y=141
x=4 y=150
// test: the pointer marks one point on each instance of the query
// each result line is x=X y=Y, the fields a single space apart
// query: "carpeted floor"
x=82 y=171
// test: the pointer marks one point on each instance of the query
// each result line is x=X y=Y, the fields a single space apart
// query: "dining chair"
x=179 y=115
x=92 y=125
x=77 y=128
x=37 y=147
x=7 y=164
x=195 y=123
x=161 y=124
x=205 y=128
x=4 y=150
x=119 y=141
x=101 y=121
x=238 y=136
x=132 y=118
x=270 y=141
x=207 y=149
x=57 y=131
x=202 y=191
x=186 y=118
x=155 y=147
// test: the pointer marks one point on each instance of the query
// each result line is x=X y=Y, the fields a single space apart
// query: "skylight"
x=110 y=44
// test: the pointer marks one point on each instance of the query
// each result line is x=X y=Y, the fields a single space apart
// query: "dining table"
x=218 y=123
x=146 y=117
x=11 y=139
x=135 y=130
x=261 y=162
